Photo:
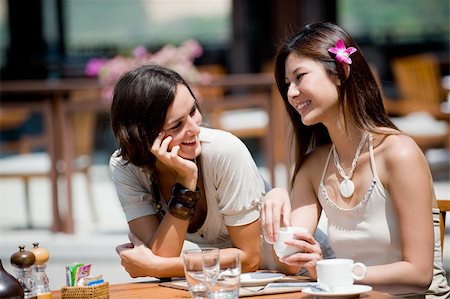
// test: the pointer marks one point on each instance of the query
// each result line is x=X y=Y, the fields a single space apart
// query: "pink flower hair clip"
x=342 y=53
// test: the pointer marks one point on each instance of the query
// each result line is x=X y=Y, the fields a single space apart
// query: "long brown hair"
x=358 y=93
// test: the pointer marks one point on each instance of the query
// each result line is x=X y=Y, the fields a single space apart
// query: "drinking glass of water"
x=222 y=279
x=193 y=270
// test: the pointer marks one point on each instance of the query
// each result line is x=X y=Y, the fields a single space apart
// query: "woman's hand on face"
x=310 y=253
x=186 y=170
x=137 y=259
x=276 y=208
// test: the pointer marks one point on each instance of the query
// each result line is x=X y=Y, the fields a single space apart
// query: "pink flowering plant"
x=342 y=53
x=180 y=59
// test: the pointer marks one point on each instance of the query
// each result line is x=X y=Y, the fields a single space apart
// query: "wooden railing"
x=240 y=91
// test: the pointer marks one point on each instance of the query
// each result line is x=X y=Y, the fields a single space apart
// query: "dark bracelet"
x=179 y=211
x=183 y=201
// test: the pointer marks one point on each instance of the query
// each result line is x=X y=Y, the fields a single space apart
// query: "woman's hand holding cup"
x=287 y=233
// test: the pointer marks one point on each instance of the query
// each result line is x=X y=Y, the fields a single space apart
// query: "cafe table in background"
x=58 y=94
x=66 y=97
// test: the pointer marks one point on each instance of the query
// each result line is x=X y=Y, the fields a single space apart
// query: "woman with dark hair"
x=180 y=185
x=371 y=180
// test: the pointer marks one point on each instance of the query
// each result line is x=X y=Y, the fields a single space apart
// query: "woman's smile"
x=302 y=105
x=192 y=142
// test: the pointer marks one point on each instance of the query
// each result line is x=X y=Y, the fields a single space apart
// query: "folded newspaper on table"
x=285 y=284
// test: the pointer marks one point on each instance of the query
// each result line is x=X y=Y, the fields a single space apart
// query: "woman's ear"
x=346 y=70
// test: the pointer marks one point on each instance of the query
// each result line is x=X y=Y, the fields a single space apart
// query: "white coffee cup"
x=287 y=233
x=337 y=275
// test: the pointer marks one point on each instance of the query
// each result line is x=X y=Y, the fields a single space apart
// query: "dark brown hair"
x=138 y=111
x=358 y=92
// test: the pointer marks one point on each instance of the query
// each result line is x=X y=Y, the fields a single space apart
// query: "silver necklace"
x=346 y=187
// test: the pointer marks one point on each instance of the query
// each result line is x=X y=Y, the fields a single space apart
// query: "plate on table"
x=259 y=278
x=354 y=291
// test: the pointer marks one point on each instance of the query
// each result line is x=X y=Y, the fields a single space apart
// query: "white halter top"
x=368 y=232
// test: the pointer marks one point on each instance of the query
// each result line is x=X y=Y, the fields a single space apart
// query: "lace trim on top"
x=362 y=202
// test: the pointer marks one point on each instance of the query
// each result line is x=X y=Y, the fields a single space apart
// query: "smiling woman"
x=180 y=184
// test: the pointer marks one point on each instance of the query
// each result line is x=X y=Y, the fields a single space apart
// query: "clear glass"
x=223 y=280
x=193 y=270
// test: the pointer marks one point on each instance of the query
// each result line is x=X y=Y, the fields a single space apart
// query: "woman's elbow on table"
x=423 y=280
x=422 y=276
x=250 y=263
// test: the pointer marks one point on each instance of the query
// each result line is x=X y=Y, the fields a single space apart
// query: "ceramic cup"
x=338 y=275
x=287 y=233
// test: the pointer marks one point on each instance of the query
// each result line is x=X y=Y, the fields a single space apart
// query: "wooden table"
x=55 y=94
x=154 y=291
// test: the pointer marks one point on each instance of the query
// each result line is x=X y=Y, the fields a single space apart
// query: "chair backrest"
x=83 y=122
x=231 y=107
x=240 y=104
x=444 y=207
x=211 y=94
x=13 y=117
x=418 y=78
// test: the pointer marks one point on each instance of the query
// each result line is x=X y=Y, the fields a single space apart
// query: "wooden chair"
x=79 y=127
x=418 y=79
x=29 y=158
x=421 y=93
x=240 y=107
x=13 y=120
x=18 y=160
x=444 y=207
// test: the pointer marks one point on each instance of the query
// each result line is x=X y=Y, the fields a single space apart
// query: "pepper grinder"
x=22 y=261
x=40 y=278
x=10 y=288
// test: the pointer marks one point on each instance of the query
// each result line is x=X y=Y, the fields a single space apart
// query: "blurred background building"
x=56 y=38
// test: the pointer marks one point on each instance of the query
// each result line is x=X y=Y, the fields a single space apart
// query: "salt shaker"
x=22 y=261
x=40 y=278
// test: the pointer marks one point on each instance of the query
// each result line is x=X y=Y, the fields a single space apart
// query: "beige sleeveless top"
x=368 y=233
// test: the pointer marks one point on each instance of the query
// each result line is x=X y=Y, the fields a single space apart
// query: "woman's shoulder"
x=119 y=167
x=396 y=144
x=210 y=135
x=219 y=140
x=396 y=148
x=218 y=145
x=116 y=160
x=318 y=155
x=314 y=162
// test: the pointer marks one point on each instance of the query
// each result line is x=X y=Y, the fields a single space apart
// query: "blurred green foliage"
x=396 y=21
x=126 y=24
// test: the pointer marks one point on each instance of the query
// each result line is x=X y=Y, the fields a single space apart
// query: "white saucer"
x=259 y=278
x=356 y=289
